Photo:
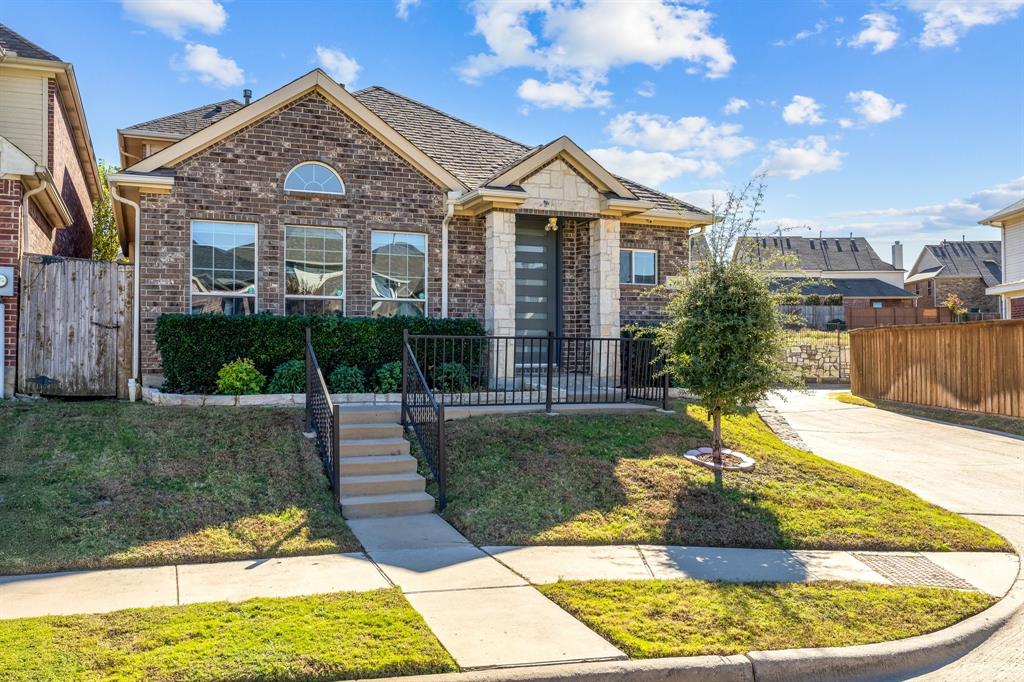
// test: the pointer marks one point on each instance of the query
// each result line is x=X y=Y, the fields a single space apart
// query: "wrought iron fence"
x=323 y=419
x=423 y=414
x=551 y=370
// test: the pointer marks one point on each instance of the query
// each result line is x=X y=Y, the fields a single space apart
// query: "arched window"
x=313 y=176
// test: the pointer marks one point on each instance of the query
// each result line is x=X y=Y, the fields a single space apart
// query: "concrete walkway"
x=974 y=473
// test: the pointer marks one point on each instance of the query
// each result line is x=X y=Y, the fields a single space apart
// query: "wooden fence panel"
x=75 y=334
x=974 y=366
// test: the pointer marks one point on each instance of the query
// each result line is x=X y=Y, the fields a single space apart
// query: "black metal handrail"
x=323 y=418
x=423 y=414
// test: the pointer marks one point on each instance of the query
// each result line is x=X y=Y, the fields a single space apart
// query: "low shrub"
x=451 y=377
x=389 y=377
x=289 y=377
x=240 y=377
x=345 y=379
x=194 y=347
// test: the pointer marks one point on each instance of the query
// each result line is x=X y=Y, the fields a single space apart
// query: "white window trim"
x=632 y=260
x=426 y=271
x=344 y=272
x=335 y=173
x=255 y=264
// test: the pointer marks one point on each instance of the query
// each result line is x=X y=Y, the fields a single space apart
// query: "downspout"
x=133 y=381
x=449 y=212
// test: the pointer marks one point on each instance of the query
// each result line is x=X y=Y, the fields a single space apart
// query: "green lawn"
x=534 y=479
x=994 y=422
x=100 y=484
x=344 y=635
x=657 y=618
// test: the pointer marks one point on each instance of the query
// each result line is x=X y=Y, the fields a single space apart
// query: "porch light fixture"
x=552 y=225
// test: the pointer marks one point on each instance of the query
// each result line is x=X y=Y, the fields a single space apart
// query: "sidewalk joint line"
x=177 y=586
x=643 y=558
x=471 y=589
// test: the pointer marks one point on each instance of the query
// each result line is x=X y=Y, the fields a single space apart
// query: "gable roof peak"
x=12 y=41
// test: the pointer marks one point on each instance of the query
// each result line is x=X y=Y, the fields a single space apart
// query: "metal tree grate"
x=907 y=569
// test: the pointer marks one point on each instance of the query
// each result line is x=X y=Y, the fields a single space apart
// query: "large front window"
x=399 y=272
x=638 y=266
x=314 y=270
x=223 y=267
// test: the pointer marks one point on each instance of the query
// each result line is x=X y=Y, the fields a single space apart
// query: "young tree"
x=725 y=336
x=955 y=306
x=105 y=243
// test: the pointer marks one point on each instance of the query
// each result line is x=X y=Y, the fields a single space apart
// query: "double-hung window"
x=398 y=264
x=314 y=270
x=638 y=266
x=223 y=267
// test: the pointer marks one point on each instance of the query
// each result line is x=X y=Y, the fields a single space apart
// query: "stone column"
x=604 y=295
x=500 y=290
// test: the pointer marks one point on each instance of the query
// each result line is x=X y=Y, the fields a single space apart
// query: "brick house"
x=962 y=268
x=317 y=199
x=48 y=173
x=1010 y=288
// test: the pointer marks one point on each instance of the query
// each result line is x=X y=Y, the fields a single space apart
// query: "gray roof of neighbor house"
x=22 y=46
x=185 y=123
x=848 y=288
x=470 y=153
x=828 y=254
x=962 y=259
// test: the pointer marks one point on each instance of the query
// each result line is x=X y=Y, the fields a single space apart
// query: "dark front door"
x=537 y=290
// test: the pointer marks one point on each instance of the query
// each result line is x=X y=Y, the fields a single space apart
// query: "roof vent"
x=811 y=241
x=247 y=96
x=213 y=111
x=839 y=246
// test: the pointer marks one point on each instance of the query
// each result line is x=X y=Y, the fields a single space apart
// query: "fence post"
x=309 y=383
x=442 y=460
x=629 y=365
x=664 y=385
x=336 y=455
x=405 y=373
x=550 y=371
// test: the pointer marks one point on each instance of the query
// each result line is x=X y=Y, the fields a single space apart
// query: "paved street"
x=978 y=474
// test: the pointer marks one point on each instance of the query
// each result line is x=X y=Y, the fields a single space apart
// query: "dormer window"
x=314 y=177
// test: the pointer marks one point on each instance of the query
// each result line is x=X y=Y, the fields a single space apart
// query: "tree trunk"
x=716 y=444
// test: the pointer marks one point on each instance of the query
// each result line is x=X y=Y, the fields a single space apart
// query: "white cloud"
x=580 y=43
x=704 y=198
x=806 y=157
x=873 y=107
x=650 y=168
x=210 y=66
x=693 y=135
x=819 y=27
x=565 y=94
x=735 y=105
x=846 y=123
x=338 y=65
x=881 y=32
x=176 y=17
x=402 y=7
x=802 y=110
x=957 y=213
x=946 y=21
x=647 y=89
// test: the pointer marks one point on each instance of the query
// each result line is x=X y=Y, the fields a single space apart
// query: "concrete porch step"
x=360 y=431
x=391 y=504
x=382 y=484
x=370 y=414
x=376 y=465
x=373 y=446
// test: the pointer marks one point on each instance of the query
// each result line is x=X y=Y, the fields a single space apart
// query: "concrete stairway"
x=378 y=475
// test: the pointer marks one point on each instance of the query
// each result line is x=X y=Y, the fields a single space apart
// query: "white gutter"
x=450 y=211
x=134 y=379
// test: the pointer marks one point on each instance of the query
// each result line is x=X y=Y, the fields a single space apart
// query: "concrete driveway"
x=971 y=472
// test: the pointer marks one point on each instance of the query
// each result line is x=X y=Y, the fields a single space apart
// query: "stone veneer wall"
x=673 y=247
x=241 y=178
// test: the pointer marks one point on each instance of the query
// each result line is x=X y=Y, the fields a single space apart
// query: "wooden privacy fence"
x=975 y=366
x=75 y=330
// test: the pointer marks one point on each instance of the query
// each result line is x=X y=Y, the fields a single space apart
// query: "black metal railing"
x=423 y=414
x=323 y=418
x=551 y=370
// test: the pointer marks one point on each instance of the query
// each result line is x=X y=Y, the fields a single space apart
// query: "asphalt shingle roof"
x=848 y=288
x=969 y=259
x=15 y=42
x=185 y=123
x=813 y=253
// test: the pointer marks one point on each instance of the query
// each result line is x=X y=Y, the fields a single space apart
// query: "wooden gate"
x=75 y=329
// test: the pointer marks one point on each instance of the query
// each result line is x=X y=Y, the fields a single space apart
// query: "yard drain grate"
x=907 y=569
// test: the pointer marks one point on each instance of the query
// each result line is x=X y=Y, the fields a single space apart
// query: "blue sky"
x=892 y=120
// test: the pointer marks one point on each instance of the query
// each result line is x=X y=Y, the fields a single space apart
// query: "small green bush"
x=345 y=379
x=389 y=377
x=240 y=377
x=451 y=377
x=289 y=377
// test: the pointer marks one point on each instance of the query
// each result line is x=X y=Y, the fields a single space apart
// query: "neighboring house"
x=847 y=267
x=962 y=268
x=314 y=198
x=1011 y=289
x=48 y=174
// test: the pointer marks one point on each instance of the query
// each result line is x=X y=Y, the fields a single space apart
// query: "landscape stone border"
x=155 y=396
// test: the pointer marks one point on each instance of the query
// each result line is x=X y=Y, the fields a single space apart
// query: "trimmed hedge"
x=193 y=348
